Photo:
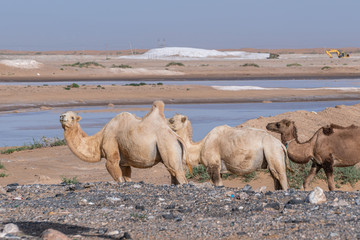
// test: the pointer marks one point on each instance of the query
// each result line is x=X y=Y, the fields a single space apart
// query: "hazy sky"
x=42 y=25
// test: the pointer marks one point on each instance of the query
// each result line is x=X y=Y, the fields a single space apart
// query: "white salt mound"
x=183 y=53
x=22 y=63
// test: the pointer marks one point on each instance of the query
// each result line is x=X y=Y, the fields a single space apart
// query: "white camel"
x=128 y=141
x=243 y=150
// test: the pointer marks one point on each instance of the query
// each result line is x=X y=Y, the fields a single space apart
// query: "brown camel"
x=331 y=146
x=128 y=141
x=242 y=150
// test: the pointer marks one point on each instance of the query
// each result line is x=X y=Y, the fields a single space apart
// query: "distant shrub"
x=136 y=84
x=73 y=85
x=121 y=66
x=174 y=64
x=85 y=64
x=44 y=142
x=250 y=65
x=325 y=68
x=294 y=65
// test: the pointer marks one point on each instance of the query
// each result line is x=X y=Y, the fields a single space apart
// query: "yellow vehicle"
x=339 y=54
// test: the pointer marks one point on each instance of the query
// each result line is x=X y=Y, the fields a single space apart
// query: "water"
x=289 y=83
x=21 y=128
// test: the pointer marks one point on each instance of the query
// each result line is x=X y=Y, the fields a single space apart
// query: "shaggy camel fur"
x=128 y=141
x=331 y=146
x=243 y=150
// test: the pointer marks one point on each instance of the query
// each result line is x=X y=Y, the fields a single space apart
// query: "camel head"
x=177 y=122
x=69 y=119
x=285 y=127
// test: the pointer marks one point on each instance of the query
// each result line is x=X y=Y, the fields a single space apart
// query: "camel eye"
x=278 y=125
x=72 y=118
x=171 y=121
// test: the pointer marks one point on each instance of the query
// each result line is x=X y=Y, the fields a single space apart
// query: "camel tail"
x=185 y=157
x=287 y=162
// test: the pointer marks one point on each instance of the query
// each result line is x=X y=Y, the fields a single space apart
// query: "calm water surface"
x=290 y=83
x=21 y=128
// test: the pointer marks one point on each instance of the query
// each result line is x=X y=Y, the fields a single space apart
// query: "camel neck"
x=85 y=147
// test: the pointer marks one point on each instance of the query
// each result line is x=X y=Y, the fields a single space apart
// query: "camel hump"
x=160 y=106
x=328 y=130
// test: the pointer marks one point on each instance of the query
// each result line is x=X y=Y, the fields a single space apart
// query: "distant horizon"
x=221 y=49
x=42 y=25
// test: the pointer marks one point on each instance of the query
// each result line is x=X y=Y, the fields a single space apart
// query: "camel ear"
x=288 y=123
x=78 y=118
x=183 y=119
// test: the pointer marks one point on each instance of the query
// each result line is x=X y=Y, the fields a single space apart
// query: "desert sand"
x=49 y=165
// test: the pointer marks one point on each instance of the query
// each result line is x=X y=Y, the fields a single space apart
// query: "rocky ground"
x=107 y=210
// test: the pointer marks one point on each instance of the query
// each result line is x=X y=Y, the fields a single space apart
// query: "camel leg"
x=171 y=155
x=275 y=157
x=113 y=161
x=126 y=171
x=214 y=172
x=315 y=168
x=174 y=181
x=277 y=184
x=329 y=170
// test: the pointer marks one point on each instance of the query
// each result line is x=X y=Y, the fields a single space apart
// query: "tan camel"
x=330 y=146
x=128 y=141
x=243 y=150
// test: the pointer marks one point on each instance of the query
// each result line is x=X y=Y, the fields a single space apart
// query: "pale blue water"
x=21 y=128
x=273 y=83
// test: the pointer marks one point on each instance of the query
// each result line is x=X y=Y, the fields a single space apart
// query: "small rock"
x=52 y=234
x=262 y=189
x=2 y=190
x=169 y=216
x=102 y=231
x=10 y=228
x=140 y=207
x=112 y=233
x=247 y=187
x=317 y=196
x=274 y=205
x=340 y=203
x=295 y=201
x=126 y=236
x=137 y=186
x=242 y=196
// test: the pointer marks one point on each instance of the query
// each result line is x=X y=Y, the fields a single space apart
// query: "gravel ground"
x=108 y=210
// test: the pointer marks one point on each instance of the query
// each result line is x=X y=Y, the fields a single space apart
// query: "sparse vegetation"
x=69 y=181
x=44 y=142
x=342 y=175
x=85 y=65
x=294 y=65
x=74 y=85
x=249 y=65
x=3 y=175
x=249 y=177
x=199 y=173
x=121 y=66
x=325 y=68
x=174 y=64
x=142 y=84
